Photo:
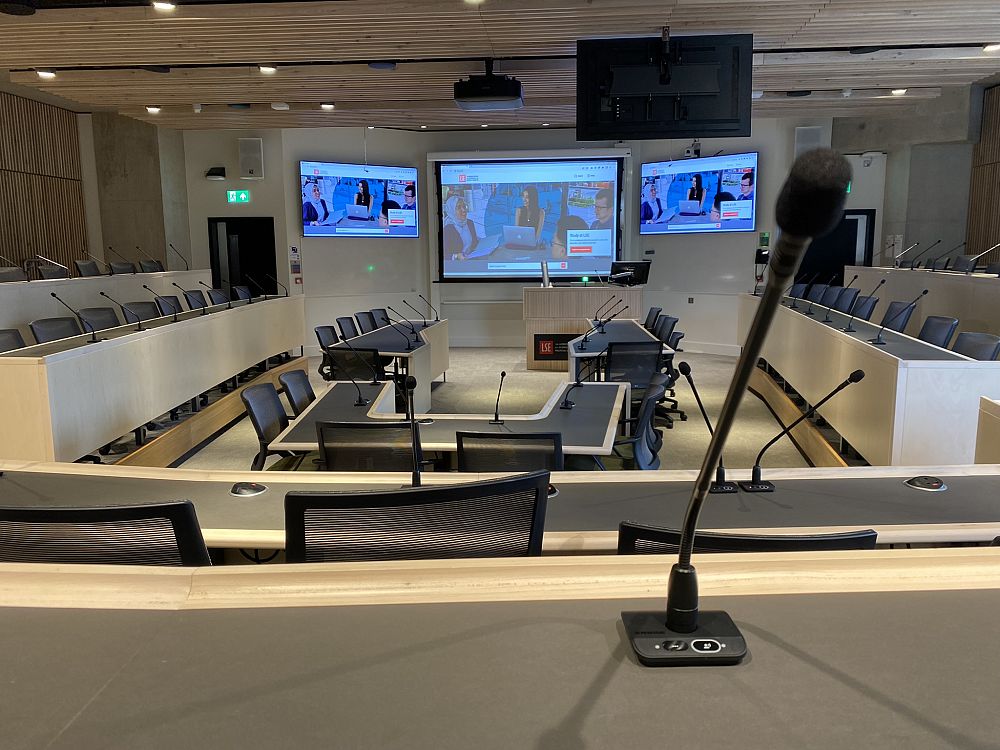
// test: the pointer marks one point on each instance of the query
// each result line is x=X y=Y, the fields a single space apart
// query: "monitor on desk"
x=630 y=272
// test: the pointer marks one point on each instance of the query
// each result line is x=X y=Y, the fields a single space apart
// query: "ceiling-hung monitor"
x=712 y=194
x=648 y=88
x=500 y=219
x=358 y=200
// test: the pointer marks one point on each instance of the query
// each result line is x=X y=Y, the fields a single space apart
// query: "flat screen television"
x=712 y=194
x=501 y=218
x=358 y=200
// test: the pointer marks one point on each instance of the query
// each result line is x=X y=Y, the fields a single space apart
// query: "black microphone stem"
x=125 y=308
x=186 y=266
x=807 y=282
x=402 y=319
x=496 y=412
x=158 y=296
x=84 y=324
x=269 y=276
x=922 y=253
x=392 y=325
x=597 y=313
x=433 y=309
x=204 y=310
x=826 y=318
x=878 y=340
x=423 y=318
x=254 y=282
x=720 y=485
x=375 y=380
x=854 y=308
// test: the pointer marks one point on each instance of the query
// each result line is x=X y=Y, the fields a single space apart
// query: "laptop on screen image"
x=357 y=212
x=689 y=208
x=519 y=237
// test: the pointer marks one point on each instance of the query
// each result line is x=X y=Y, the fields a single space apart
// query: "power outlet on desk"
x=649 y=252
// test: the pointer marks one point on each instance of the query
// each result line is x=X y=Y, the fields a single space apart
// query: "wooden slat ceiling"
x=322 y=49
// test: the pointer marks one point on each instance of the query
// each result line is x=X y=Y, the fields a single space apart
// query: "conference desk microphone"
x=496 y=412
x=84 y=323
x=878 y=340
x=433 y=309
x=810 y=204
x=122 y=258
x=854 y=308
x=393 y=323
x=598 y=327
x=12 y=264
x=566 y=403
x=54 y=263
x=253 y=281
x=229 y=302
x=272 y=278
x=125 y=309
x=149 y=257
x=165 y=299
x=611 y=314
x=972 y=261
x=809 y=310
x=177 y=252
x=423 y=318
x=98 y=260
x=922 y=253
x=411 y=385
x=204 y=310
x=895 y=261
x=404 y=321
x=932 y=264
x=720 y=486
x=806 y=284
x=826 y=318
x=756 y=484
x=597 y=313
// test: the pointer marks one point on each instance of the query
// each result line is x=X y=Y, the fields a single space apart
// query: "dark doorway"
x=242 y=252
x=850 y=244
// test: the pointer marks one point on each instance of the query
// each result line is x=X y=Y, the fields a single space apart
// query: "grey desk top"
x=615 y=332
x=824 y=671
x=390 y=339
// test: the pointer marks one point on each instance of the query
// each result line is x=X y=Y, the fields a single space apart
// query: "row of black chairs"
x=496 y=518
x=84 y=268
x=961 y=264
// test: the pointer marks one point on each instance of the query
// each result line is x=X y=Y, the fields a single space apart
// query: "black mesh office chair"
x=150 y=266
x=663 y=328
x=797 y=290
x=327 y=337
x=297 y=390
x=11 y=339
x=195 y=299
x=52 y=329
x=640 y=440
x=993 y=269
x=155 y=534
x=964 y=264
x=87 y=268
x=816 y=292
x=674 y=342
x=864 y=306
x=360 y=364
x=492 y=451
x=367 y=446
x=168 y=304
x=651 y=317
x=496 y=518
x=938 y=330
x=634 y=363
x=100 y=318
x=49 y=271
x=121 y=267
x=905 y=263
x=12 y=273
x=829 y=298
x=136 y=311
x=940 y=264
x=897 y=315
x=241 y=292
x=380 y=315
x=218 y=297
x=846 y=300
x=347 y=328
x=366 y=321
x=268 y=418
x=982 y=346
x=638 y=539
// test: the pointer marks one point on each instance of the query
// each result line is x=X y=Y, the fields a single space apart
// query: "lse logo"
x=547 y=347
x=461 y=178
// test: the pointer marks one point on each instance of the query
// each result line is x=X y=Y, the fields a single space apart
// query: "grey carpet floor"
x=471 y=388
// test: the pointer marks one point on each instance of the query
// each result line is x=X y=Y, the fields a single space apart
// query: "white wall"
x=868 y=192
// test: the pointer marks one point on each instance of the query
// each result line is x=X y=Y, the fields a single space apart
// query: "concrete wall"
x=173 y=186
x=91 y=187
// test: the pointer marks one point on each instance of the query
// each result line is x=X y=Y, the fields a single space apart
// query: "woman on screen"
x=530 y=214
x=364 y=196
x=697 y=192
x=315 y=212
x=459 y=234
x=652 y=209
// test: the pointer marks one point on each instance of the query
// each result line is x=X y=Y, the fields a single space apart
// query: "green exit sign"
x=237 y=196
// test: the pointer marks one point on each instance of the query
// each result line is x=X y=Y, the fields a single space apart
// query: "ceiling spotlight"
x=280 y=106
x=153 y=110
x=267 y=69
x=484 y=125
x=423 y=127
x=899 y=92
x=474 y=2
x=196 y=108
x=327 y=106
x=382 y=65
x=371 y=127
x=545 y=124
x=46 y=74
x=757 y=94
x=164 y=6
x=991 y=48
x=846 y=93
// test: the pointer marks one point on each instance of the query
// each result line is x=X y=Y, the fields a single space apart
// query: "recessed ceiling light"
x=47 y=74
x=757 y=94
x=899 y=92
x=267 y=69
x=474 y=2
x=484 y=125
x=280 y=106
x=328 y=106
x=382 y=65
x=423 y=127
x=164 y=6
x=991 y=48
x=196 y=108
x=545 y=124
x=846 y=93
x=153 y=110
x=371 y=127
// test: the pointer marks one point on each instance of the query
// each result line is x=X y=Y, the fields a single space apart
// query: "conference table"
x=422 y=348
x=988 y=433
x=918 y=404
x=585 y=356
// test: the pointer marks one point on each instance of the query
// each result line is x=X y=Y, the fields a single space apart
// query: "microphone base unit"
x=849 y=329
x=877 y=341
x=567 y=404
x=715 y=642
x=723 y=488
x=496 y=421
x=761 y=486
x=362 y=402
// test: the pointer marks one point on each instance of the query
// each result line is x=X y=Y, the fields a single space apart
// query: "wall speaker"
x=251 y=158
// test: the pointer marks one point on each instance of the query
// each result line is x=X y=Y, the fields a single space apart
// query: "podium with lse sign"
x=553 y=316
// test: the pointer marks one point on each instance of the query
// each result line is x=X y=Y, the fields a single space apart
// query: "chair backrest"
x=52 y=329
x=663 y=328
x=651 y=316
x=906 y=263
x=366 y=321
x=816 y=292
x=12 y=273
x=982 y=346
x=367 y=446
x=87 y=268
x=297 y=390
x=938 y=330
x=242 y=292
x=897 y=315
x=358 y=364
x=633 y=362
x=143 y=310
x=266 y=413
x=864 y=306
x=846 y=299
x=150 y=266
x=829 y=298
x=327 y=336
x=168 y=304
x=674 y=341
x=993 y=268
x=380 y=315
x=963 y=263
x=49 y=271
x=154 y=534
x=509 y=451
x=496 y=518
x=797 y=290
x=120 y=267
x=218 y=296
x=642 y=450
x=10 y=339
x=195 y=299
x=347 y=327
x=637 y=539
x=100 y=318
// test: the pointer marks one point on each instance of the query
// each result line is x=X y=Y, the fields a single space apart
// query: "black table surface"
x=615 y=332
x=391 y=338
x=875 y=670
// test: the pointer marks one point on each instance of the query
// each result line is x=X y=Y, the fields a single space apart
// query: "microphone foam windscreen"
x=411 y=383
x=857 y=376
x=684 y=368
x=812 y=199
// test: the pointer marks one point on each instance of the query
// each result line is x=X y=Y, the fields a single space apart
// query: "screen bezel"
x=756 y=177
x=335 y=236
x=620 y=162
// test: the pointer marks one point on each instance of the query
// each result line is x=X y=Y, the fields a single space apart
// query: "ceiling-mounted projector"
x=489 y=93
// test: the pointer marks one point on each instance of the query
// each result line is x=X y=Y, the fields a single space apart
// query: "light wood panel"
x=984 y=193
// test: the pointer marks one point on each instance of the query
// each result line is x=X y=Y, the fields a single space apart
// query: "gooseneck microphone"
x=150 y=257
x=254 y=282
x=204 y=310
x=597 y=312
x=974 y=258
x=178 y=253
x=403 y=320
x=229 y=302
x=878 y=340
x=423 y=318
x=411 y=386
x=566 y=403
x=98 y=260
x=854 y=308
x=392 y=325
x=809 y=310
x=84 y=323
x=53 y=262
x=612 y=313
x=122 y=258
x=496 y=412
x=895 y=261
x=433 y=309
x=807 y=282
x=922 y=253
x=720 y=486
x=371 y=369
x=278 y=283
x=125 y=309
x=810 y=204
x=756 y=484
x=932 y=265
x=826 y=318
x=165 y=299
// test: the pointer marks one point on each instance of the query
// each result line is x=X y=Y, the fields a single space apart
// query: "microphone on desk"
x=371 y=369
x=204 y=310
x=566 y=403
x=612 y=317
x=12 y=264
x=756 y=484
x=599 y=327
x=974 y=258
x=496 y=412
x=122 y=258
x=854 y=308
x=809 y=310
x=392 y=325
x=84 y=323
x=922 y=253
x=99 y=260
x=253 y=281
x=826 y=318
x=124 y=309
x=404 y=321
x=433 y=309
x=53 y=262
x=423 y=318
x=229 y=302
x=720 y=486
x=895 y=261
x=165 y=299
x=807 y=282
x=611 y=313
x=878 y=340
x=178 y=253
x=411 y=386
x=810 y=205
x=932 y=264
x=597 y=313
x=158 y=263
x=272 y=278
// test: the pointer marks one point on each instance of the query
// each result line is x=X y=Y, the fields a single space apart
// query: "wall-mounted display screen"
x=358 y=200
x=712 y=194
x=501 y=219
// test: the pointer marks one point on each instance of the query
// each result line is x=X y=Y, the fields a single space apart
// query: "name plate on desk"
x=553 y=346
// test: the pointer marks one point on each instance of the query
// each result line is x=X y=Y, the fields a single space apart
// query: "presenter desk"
x=585 y=357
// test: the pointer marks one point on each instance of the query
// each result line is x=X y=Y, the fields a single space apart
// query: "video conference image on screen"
x=358 y=200
x=502 y=219
x=712 y=194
